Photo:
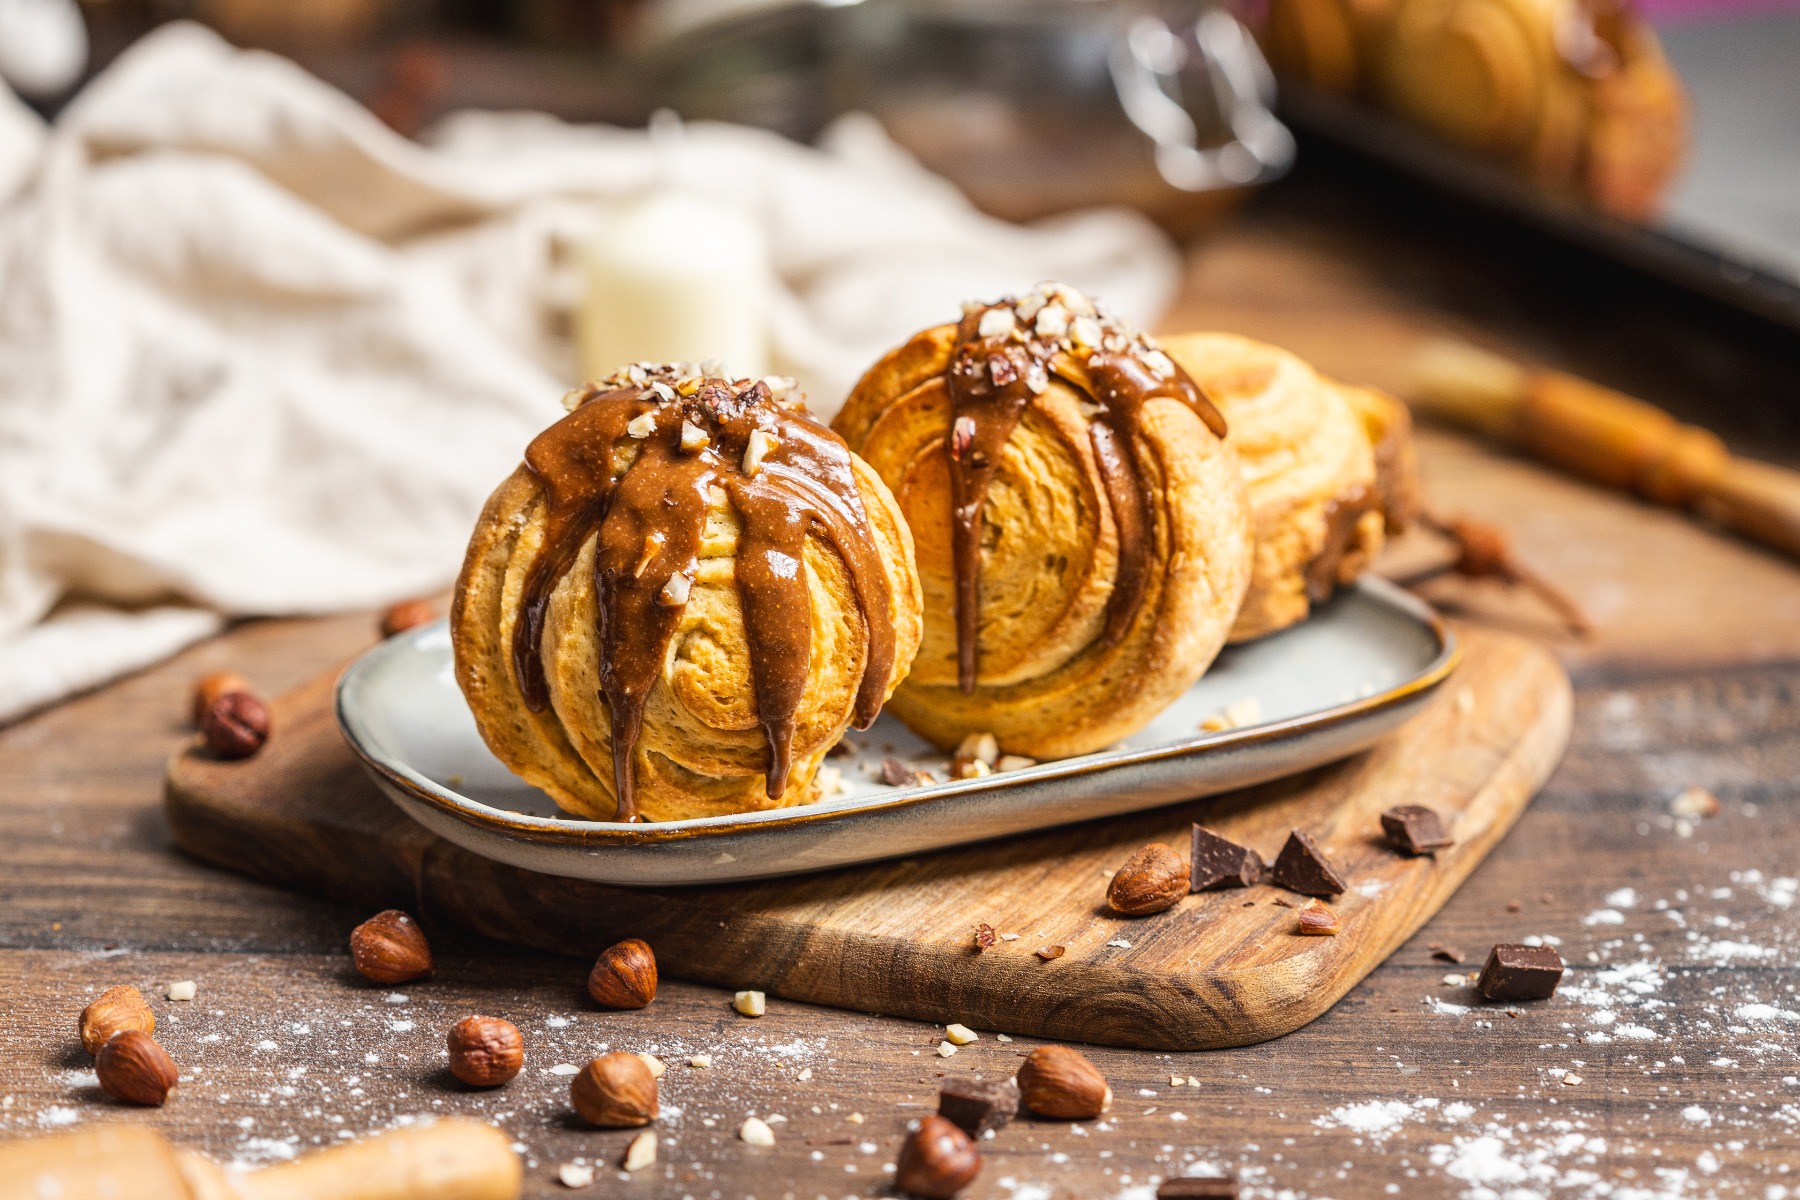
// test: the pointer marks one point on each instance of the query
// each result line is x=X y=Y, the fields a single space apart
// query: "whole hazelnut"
x=615 y=1091
x=485 y=1051
x=211 y=686
x=235 y=725
x=408 y=614
x=117 y=1010
x=1056 y=1081
x=624 y=976
x=1153 y=879
x=390 y=947
x=133 y=1068
x=937 y=1160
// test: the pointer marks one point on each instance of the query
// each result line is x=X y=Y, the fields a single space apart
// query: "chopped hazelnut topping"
x=653 y=542
x=1085 y=332
x=693 y=438
x=970 y=768
x=184 y=990
x=1052 y=321
x=687 y=387
x=750 y=1004
x=996 y=322
x=642 y=425
x=757 y=448
x=960 y=1035
x=1028 y=305
x=663 y=391
x=675 y=592
x=1159 y=362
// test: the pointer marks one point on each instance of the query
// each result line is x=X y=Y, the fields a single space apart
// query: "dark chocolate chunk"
x=1198 y=1187
x=1415 y=829
x=976 y=1107
x=1515 y=972
x=895 y=773
x=1219 y=863
x=1302 y=867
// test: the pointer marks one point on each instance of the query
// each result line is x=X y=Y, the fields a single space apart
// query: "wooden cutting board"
x=1220 y=969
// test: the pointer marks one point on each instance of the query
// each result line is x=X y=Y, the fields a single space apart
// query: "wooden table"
x=1668 y=1063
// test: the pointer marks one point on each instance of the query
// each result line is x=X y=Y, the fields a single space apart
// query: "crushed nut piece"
x=804 y=1075
x=962 y=1035
x=663 y=391
x=674 y=593
x=830 y=781
x=946 y=1049
x=1571 y=1080
x=1048 y=953
x=1694 y=802
x=641 y=1153
x=1013 y=762
x=759 y=446
x=655 y=1064
x=575 y=1175
x=756 y=1132
x=970 y=768
x=693 y=438
x=184 y=990
x=1318 y=920
x=895 y=773
x=751 y=1004
x=700 y=1060
x=855 y=1118
x=1159 y=362
x=642 y=425
x=996 y=322
x=984 y=936
x=1052 y=321
x=1009 y=937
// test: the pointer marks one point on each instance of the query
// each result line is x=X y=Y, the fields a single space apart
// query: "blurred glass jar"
x=1031 y=106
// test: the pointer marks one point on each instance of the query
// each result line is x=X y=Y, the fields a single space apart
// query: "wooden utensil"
x=1608 y=437
x=448 y=1160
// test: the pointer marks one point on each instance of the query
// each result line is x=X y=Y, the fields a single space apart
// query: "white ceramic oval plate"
x=1319 y=692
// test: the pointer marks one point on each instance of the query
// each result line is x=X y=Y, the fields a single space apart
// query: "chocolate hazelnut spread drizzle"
x=649 y=515
x=992 y=378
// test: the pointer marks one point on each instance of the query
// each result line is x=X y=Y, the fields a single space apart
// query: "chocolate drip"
x=649 y=519
x=992 y=380
x=1341 y=517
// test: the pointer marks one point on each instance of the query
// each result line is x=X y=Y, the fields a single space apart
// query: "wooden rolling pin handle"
x=1625 y=443
x=449 y=1160
x=1758 y=501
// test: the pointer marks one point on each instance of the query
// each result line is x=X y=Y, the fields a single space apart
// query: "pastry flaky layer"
x=1103 y=542
x=718 y=588
x=1329 y=468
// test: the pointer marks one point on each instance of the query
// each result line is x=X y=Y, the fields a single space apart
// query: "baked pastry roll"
x=1082 y=533
x=1576 y=93
x=680 y=600
x=1329 y=470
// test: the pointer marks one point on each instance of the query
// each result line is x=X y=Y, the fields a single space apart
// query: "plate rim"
x=603 y=834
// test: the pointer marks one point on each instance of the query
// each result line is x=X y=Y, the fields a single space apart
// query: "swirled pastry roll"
x=681 y=599
x=1329 y=469
x=1082 y=534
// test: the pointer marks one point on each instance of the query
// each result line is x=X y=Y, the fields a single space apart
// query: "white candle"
x=676 y=277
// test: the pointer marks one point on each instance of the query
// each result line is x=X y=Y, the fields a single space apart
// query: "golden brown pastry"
x=1082 y=533
x=1328 y=468
x=680 y=600
x=1576 y=93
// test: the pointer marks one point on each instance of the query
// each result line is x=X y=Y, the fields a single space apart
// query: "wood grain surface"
x=1677 y=1016
x=1220 y=969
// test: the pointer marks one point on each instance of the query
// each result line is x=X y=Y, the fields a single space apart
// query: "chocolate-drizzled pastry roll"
x=681 y=599
x=1080 y=521
x=1330 y=470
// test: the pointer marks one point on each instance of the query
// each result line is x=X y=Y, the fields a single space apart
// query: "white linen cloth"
x=259 y=354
